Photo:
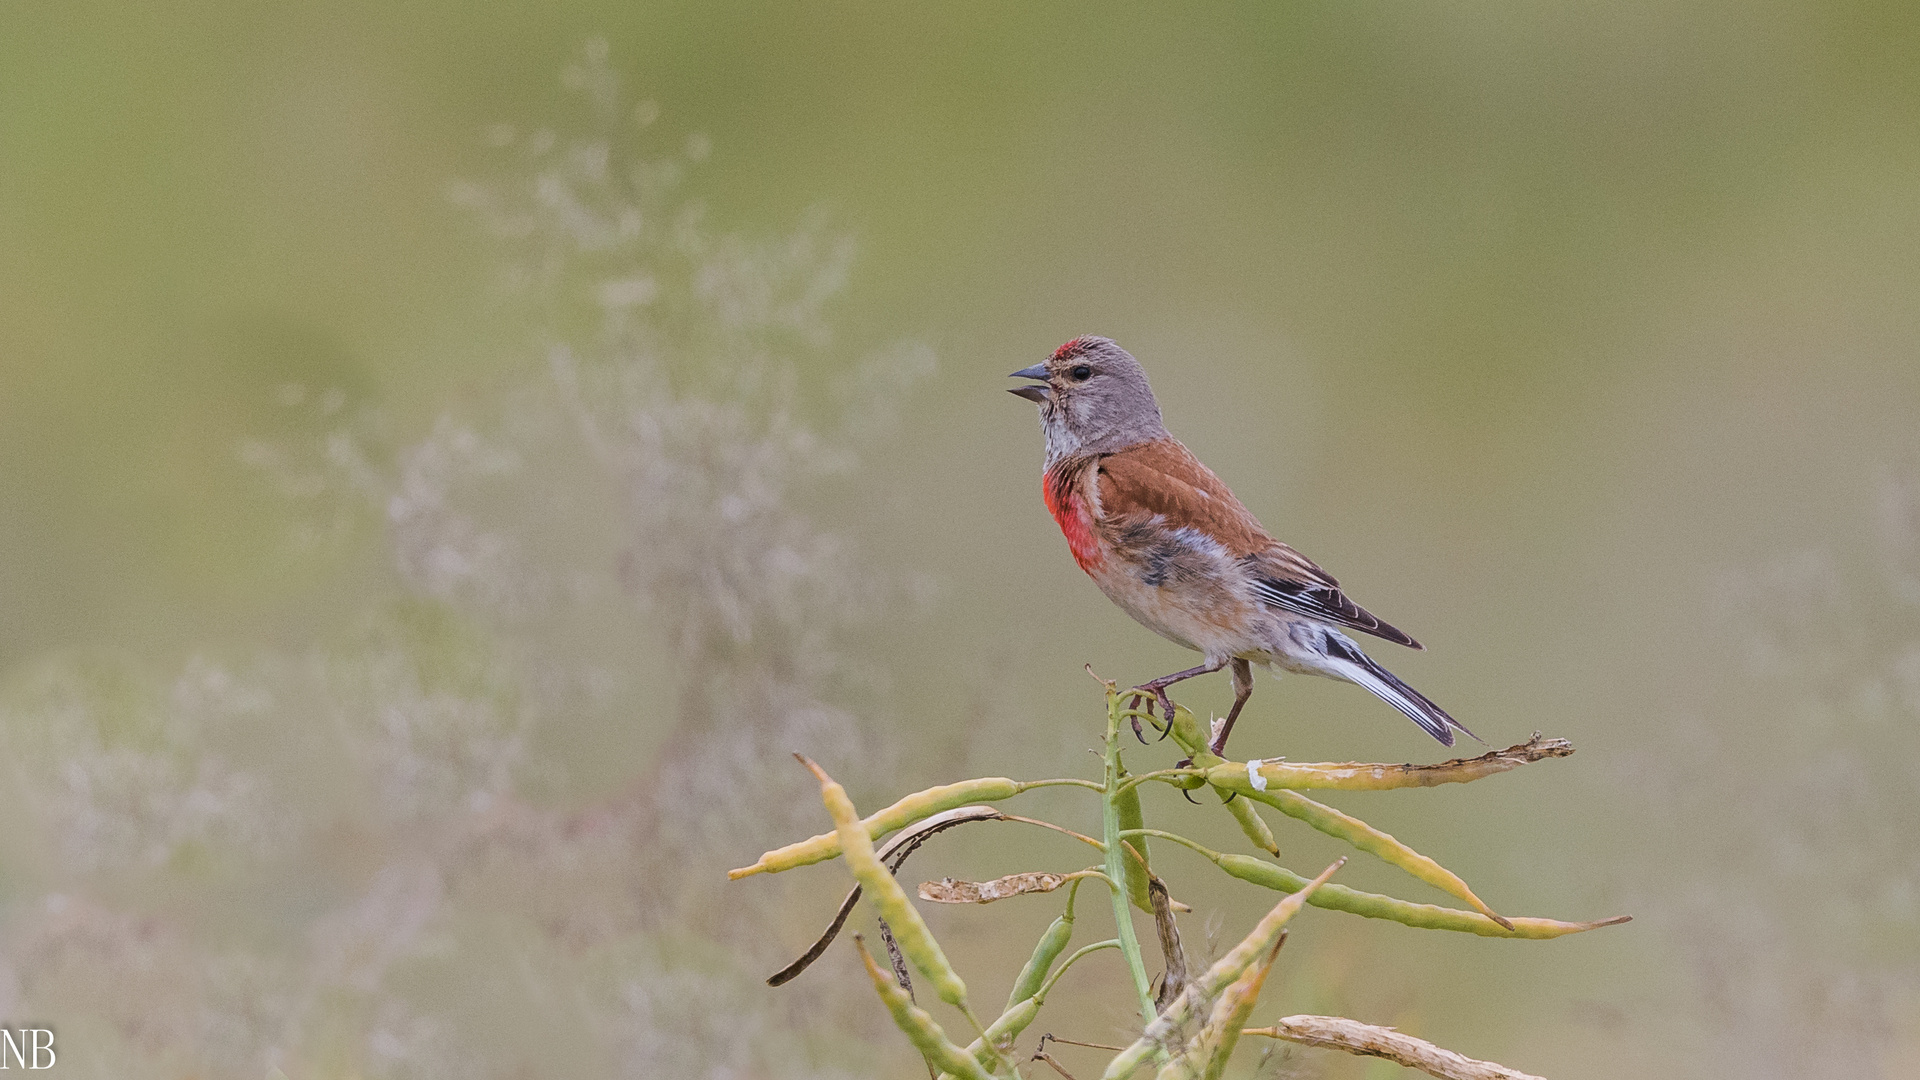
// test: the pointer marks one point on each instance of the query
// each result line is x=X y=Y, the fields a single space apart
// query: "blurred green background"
x=1581 y=340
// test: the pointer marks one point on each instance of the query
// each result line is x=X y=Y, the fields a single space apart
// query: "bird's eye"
x=1081 y=373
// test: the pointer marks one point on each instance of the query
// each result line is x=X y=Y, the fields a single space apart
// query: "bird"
x=1167 y=541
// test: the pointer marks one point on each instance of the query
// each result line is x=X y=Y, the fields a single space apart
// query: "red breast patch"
x=1070 y=511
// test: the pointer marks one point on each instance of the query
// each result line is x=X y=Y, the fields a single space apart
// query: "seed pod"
x=1376 y=906
x=1251 y=824
x=920 y=804
x=1052 y=944
x=919 y=1026
x=1376 y=843
x=1359 y=776
x=1212 y=1046
x=1001 y=1033
x=954 y=891
x=1230 y=1013
x=1258 y=943
x=1134 y=869
x=1187 y=732
x=886 y=895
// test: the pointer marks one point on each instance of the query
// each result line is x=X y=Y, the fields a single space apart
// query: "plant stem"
x=1168 y=775
x=1117 y=867
x=1084 y=950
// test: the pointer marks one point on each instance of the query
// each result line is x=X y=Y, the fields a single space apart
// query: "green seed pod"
x=1407 y=913
x=1230 y=1014
x=1000 y=1034
x=921 y=804
x=1251 y=824
x=1181 y=1067
x=1131 y=1058
x=919 y=1026
x=1259 y=871
x=1250 y=952
x=1188 y=733
x=1128 y=802
x=1374 y=842
x=1052 y=944
x=886 y=895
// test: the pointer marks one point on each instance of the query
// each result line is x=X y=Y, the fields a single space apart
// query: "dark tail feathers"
x=1360 y=669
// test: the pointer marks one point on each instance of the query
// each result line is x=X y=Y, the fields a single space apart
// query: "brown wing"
x=1163 y=478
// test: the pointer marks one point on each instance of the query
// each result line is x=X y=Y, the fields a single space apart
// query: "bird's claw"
x=1185 y=763
x=1144 y=697
x=1141 y=702
x=1166 y=711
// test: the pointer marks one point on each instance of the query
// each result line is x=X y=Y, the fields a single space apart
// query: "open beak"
x=1035 y=394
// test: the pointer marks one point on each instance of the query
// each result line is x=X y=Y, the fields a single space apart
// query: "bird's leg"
x=1138 y=732
x=1158 y=688
x=1134 y=703
x=1242 y=690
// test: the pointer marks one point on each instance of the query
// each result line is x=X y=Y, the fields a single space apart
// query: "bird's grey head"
x=1093 y=398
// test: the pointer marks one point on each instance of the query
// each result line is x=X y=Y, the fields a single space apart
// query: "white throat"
x=1062 y=443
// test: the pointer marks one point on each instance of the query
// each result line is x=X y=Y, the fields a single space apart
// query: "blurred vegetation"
x=415 y=574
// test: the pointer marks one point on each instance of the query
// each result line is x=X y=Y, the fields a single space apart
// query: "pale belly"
x=1204 y=613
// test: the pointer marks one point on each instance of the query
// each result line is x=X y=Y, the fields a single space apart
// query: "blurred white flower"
x=367 y=849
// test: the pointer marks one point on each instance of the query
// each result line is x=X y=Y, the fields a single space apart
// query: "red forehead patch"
x=1068 y=348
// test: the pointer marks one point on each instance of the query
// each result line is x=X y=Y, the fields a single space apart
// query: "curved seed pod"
x=1354 y=1037
x=1019 y=1014
x=1186 y=726
x=1376 y=906
x=908 y=810
x=894 y=853
x=1191 y=737
x=1209 y=985
x=954 y=891
x=1180 y=1067
x=1052 y=944
x=1213 y=1044
x=1230 y=1013
x=1001 y=1033
x=1360 y=776
x=1261 y=938
x=918 y=1025
x=1374 y=842
x=886 y=895
x=1136 y=870
x=1250 y=823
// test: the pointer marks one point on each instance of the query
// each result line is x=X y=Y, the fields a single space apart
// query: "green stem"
x=1064 y=781
x=1178 y=839
x=1167 y=775
x=1164 y=835
x=1047 y=987
x=1101 y=875
x=1117 y=868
